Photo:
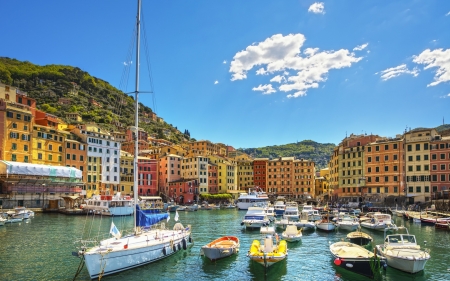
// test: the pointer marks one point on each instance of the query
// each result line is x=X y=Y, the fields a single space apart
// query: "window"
x=386 y=189
x=410 y=189
x=410 y=168
x=377 y=169
x=40 y=156
x=417 y=157
x=369 y=149
x=68 y=156
x=442 y=167
x=386 y=147
x=409 y=147
x=14 y=146
x=25 y=159
x=377 y=148
x=433 y=157
x=377 y=158
x=395 y=146
x=369 y=159
x=386 y=157
x=442 y=177
x=426 y=167
x=369 y=170
x=427 y=189
x=395 y=168
x=410 y=158
x=74 y=157
x=50 y=157
x=418 y=189
x=442 y=156
x=418 y=168
x=25 y=147
x=418 y=147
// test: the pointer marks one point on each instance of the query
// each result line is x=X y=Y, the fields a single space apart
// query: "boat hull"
x=411 y=264
x=349 y=227
x=103 y=261
x=327 y=226
x=221 y=248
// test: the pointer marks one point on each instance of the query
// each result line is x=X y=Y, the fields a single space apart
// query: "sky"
x=255 y=73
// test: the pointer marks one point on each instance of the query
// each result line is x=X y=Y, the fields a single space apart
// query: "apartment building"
x=75 y=155
x=48 y=145
x=169 y=171
x=417 y=163
x=384 y=169
x=147 y=176
x=303 y=183
x=15 y=132
x=260 y=172
x=212 y=178
x=196 y=168
x=244 y=174
x=440 y=167
x=126 y=173
x=351 y=167
x=103 y=155
x=279 y=176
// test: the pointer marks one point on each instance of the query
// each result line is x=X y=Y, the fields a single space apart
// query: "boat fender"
x=190 y=239
x=164 y=251
x=184 y=244
x=242 y=223
x=337 y=261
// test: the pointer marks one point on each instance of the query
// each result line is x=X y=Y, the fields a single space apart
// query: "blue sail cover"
x=147 y=218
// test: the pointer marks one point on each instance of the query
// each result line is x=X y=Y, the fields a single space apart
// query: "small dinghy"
x=359 y=238
x=291 y=234
x=357 y=259
x=221 y=248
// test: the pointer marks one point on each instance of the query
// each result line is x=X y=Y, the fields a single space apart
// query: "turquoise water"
x=41 y=248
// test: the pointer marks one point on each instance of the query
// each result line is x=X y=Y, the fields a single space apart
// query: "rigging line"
x=149 y=67
x=126 y=72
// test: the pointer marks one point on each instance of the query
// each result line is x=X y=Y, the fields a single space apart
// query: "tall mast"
x=136 y=116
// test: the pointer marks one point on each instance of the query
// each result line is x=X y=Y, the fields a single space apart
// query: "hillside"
x=47 y=84
x=307 y=149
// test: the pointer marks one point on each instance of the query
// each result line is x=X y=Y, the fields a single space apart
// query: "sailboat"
x=149 y=241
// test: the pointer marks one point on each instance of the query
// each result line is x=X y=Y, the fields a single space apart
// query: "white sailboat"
x=149 y=241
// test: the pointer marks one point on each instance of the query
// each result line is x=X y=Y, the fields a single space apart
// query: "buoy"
x=337 y=261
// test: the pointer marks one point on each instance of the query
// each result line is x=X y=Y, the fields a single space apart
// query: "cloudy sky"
x=258 y=72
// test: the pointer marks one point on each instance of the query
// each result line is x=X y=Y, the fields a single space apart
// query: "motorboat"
x=254 y=195
x=379 y=222
x=279 y=206
x=325 y=224
x=347 y=223
x=110 y=205
x=181 y=208
x=397 y=212
x=192 y=208
x=359 y=238
x=292 y=234
x=2 y=221
x=270 y=212
x=229 y=206
x=267 y=230
x=268 y=253
x=355 y=258
x=22 y=212
x=403 y=253
x=255 y=218
x=291 y=211
x=313 y=215
x=221 y=248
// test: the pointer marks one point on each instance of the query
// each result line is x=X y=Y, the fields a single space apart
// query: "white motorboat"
x=22 y=212
x=403 y=253
x=267 y=230
x=192 y=208
x=325 y=224
x=270 y=212
x=148 y=241
x=379 y=222
x=110 y=205
x=313 y=215
x=255 y=218
x=254 y=196
x=292 y=234
x=291 y=211
x=2 y=221
x=347 y=223
x=279 y=206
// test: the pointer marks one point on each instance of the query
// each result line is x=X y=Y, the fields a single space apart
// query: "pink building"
x=147 y=176
x=440 y=167
x=212 y=179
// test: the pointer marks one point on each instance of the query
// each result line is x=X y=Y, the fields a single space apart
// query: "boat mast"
x=136 y=115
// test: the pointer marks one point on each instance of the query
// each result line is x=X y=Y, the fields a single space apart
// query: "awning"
x=20 y=168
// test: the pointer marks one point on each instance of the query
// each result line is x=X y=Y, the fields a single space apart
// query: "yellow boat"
x=269 y=253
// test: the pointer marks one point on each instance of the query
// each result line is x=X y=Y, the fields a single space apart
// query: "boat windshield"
x=409 y=239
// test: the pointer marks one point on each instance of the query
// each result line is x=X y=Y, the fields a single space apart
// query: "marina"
x=47 y=240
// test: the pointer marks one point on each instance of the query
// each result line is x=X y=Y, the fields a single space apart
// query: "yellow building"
x=15 y=132
x=206 y=148
x=221 y=172
x=48 y=144
x=126 y=172
x=8 y=93
x=303 y=174
x=245 y=174
x=417 y=163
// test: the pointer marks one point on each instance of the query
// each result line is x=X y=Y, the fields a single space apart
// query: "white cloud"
x=446 y=96
x=127 y=63
x=282 y=54
x=447 y=14
x=224 y=62
x=397 y=71
x=266 y=89
x=216 y=82
x=317 y=8
x=361 y=47
x=437 y=58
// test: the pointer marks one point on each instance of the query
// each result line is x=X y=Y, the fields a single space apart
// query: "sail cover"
x=147 y=218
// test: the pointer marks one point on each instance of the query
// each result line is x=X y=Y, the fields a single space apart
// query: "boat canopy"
x=147 y=218
x=20 y=168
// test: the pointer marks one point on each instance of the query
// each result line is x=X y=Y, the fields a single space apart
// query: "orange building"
x=75 y=155
x=384 y=169
x=303 y=178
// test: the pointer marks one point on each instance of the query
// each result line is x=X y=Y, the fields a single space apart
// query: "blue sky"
x=257 y=73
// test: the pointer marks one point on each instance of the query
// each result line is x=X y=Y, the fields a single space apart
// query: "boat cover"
x=20 y=168
x=147 y=218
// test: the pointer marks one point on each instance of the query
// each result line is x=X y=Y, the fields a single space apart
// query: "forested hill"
x=47 y=84
x=309 y=150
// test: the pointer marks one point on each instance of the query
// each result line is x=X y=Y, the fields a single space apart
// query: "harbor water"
x=41 y=249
